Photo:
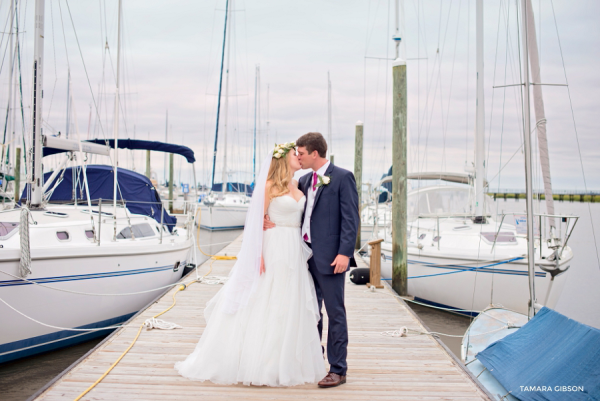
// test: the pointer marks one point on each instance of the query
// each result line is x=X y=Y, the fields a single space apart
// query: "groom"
x=330 y=226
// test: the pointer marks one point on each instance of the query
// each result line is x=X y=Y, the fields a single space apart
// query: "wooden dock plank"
x=379 y=367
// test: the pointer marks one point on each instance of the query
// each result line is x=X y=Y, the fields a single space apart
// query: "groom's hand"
x=267 y=223
x=341 y=263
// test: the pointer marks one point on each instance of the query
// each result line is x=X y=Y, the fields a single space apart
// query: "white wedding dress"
x=274 y=339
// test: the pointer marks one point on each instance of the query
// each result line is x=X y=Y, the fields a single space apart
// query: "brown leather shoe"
x=332 y=380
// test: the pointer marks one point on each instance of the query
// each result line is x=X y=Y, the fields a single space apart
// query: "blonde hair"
x=279 y=176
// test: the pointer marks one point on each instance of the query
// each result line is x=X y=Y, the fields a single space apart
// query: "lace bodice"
x=284 y=211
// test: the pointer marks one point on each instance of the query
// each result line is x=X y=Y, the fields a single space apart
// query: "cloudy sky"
x=171 y=57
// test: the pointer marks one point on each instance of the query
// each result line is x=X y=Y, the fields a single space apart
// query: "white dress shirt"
x=310 y=201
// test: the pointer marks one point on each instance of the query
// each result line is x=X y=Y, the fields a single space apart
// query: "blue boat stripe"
x=82 y=275
x=461 y=268
x=10 y=283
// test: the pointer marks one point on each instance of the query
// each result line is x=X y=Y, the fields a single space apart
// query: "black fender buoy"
x=360 y=275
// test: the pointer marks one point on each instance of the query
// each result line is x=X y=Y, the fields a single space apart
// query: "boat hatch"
x=62 y=235
x=504 y=237
x=55 y=214
x=87 y=211
x=7 y=230
x=139 y=231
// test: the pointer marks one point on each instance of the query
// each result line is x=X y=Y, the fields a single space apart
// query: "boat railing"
x=555 y=240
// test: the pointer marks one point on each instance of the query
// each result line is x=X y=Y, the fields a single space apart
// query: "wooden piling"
x=375 y=264
x=399 y=200
x=358 y=164
x=148 y=164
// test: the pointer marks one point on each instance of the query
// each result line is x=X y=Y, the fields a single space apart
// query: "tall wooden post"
x=18 y=175
x=148 y=164
x=171 y=182
x=399 y=201
x=358 y=164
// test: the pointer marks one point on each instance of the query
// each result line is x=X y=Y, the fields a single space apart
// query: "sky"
x=171 y=57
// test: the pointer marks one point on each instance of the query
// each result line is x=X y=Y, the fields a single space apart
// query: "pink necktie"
x=314 y=181
x=305 y=237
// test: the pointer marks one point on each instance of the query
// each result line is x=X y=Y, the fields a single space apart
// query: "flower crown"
x=282 y=149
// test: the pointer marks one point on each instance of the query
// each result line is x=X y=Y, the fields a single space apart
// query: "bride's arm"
x=266 y=218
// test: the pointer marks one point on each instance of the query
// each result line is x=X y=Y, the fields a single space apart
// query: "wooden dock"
x=379 y=367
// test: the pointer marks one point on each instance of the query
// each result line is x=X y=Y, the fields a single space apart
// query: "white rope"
x=56 y=327
x=154 y=323
x=213 y=280
x=25 y=263
x=403 y=332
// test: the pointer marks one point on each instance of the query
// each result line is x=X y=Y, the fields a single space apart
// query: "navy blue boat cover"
x=137 y=144
x=551 y=357
x=133 y=188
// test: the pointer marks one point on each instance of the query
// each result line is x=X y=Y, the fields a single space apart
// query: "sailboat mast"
x=527 y=150
x=225 y=111
x=329 y=142
x=37 y=179
x=540 y=116
x=68 y=123
x=479 y=121
x=11 y=86
x=212 y=179
x=254 y=145
x=166 y=141
x=116 y=121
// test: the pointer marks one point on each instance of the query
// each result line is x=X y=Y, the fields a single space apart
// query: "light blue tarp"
x=552 y=357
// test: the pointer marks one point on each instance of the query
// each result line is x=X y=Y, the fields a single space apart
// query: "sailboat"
x=89 y=245
x=532 y=355
x=226 y=206
x=459 y=252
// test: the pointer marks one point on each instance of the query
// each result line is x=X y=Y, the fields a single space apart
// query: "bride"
x=261 y=327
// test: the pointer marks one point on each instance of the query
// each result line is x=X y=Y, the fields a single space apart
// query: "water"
x=580 y=297
x=20 y=379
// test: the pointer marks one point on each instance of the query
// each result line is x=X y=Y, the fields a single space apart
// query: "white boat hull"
x=467 y=287
x=67 y=275
x=222 y=217
x=112 y=275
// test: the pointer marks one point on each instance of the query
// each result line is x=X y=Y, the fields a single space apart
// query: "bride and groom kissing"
x=264 y=327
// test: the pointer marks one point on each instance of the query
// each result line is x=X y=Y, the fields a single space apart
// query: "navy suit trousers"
x=330 y=289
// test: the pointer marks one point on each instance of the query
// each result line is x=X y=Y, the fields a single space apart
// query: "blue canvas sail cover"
x=137 y=144
x=551 y=357
x=135 y=190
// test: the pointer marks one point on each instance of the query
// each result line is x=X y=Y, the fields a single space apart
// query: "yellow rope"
x=181 y=288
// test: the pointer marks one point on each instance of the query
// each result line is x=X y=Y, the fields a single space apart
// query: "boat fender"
x=360 y=275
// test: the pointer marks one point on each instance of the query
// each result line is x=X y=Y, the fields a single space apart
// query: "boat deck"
x=379 y=367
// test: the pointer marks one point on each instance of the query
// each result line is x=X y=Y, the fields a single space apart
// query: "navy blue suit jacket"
x=335 y=220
